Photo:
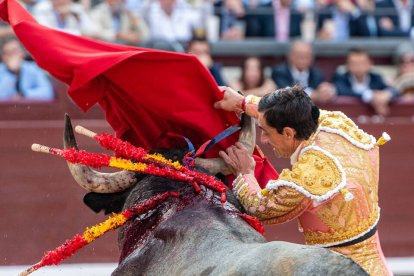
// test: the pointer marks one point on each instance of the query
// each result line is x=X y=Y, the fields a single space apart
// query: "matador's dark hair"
x=290 y=107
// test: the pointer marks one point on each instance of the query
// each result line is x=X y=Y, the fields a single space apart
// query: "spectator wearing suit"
x=400 y=23
x=201 y=49
x=366 y=24
x=299 y=69
x=232 y=25
x=21 y=79
x=258 y=25
x=360 y=81
x=335 y=20
x=287 y=21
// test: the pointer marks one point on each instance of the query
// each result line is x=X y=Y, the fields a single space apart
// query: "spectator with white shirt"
x=172 y=20
x=66 y=16
x=360 y=81
x=299 y=69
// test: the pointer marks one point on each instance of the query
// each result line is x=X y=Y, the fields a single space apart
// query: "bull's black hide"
x=195 y=235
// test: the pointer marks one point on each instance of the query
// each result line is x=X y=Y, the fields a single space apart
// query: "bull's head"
x=99 y=182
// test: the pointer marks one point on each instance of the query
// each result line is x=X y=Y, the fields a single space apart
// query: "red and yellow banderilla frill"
x=70 y=247
x=154 y=164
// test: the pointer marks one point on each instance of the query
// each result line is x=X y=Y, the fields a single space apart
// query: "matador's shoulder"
x=338 y=123
x=317 y=174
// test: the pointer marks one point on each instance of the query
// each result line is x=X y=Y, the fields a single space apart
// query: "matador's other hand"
x=238 y=159
x=232 y=101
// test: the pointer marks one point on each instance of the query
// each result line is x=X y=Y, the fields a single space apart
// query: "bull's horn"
x=247 y=138
x=90 y=179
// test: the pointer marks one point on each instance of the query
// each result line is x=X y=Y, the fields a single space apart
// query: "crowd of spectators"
x=193 y=24
x=136 y=21
x=335 y=20
x=357 y=78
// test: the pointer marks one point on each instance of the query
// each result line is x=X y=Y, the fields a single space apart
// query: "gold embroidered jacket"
x=332 y=188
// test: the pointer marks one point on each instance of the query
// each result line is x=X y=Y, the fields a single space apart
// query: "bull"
x=195 y=234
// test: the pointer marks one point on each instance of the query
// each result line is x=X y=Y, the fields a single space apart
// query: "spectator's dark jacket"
x=328 y=12
x=397 y=32
x=343 y=84
x=215 y=70
x=360 y=27
x=295 y=23
x=282 y=76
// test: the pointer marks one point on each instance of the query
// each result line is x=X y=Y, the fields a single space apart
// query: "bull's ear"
x=109 y=203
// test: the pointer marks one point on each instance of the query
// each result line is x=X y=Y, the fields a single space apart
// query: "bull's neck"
x=192 y=215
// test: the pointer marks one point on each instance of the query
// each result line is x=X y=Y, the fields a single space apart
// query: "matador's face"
x=282 y=144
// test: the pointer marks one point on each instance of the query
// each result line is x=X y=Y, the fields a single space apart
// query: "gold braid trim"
x=367 y=254
x=342 y=234
x=338 y=123
x=268 y=205
x=299 y=209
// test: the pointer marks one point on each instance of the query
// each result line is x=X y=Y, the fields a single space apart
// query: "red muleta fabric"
x=143 y=92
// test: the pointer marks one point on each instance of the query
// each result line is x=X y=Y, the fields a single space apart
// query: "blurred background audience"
x=194 y=27
x=19 y=78
x=172 y=20
x=259 y=23
x=253 y=80
x=336 y=20
x=5 y=31
x=299 y=69
x=359 y=80
x=404 y=81
x=115 y=23
x=287 y=21
x=399 y=20
x=200 y=47
x=65 y=15
x=232 y=24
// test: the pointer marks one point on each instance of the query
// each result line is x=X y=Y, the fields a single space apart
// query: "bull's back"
x=205 y=240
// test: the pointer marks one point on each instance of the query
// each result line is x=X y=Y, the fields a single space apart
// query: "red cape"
x=143 y=92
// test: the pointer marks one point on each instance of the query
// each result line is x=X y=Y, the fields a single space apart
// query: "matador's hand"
x=238 y=159
x=232 y=101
